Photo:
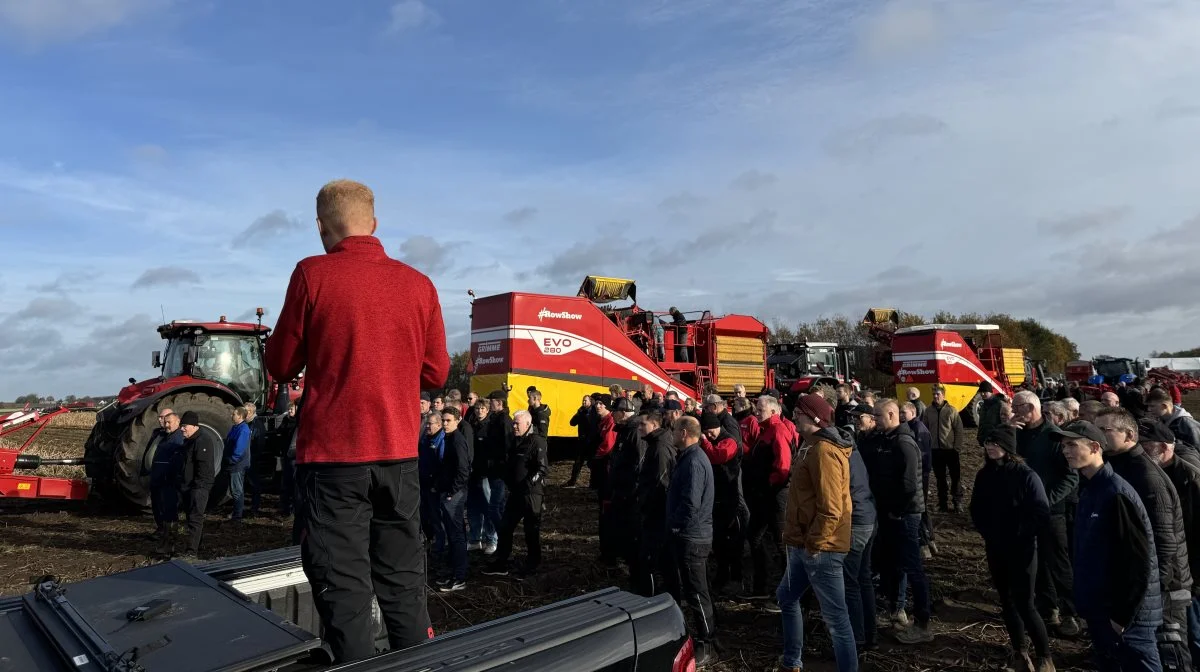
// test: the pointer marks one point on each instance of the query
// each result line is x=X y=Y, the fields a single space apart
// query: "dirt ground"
x=78 y=541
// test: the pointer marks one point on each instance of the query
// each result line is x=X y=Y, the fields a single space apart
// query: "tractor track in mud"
x=77 y=541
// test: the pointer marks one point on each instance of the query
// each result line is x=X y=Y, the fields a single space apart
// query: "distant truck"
x=255 y=613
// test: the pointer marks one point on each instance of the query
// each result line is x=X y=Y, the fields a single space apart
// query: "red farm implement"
x=21 y=486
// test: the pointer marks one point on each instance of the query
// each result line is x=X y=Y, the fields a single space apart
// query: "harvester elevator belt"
x=85 y=627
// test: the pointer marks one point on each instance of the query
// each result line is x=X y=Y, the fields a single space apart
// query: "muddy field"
x=81 y=541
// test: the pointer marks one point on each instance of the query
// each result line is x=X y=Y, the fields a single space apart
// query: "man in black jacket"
x=540 y=413
x=900 y=502
x=1041 y=449
x=730 y=514
x=525 y=475
x=1160 y=443
x=1159 y=406
x=497 y=444
x=584 y=421
x=202 y=451
x=689 y=518
x=1161 y=502
x=619 y=517
x=653 y=479
x=451 y=481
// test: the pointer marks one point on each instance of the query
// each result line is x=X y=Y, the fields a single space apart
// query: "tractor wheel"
x=135 y=452
x=99 y=452
x=970 y=414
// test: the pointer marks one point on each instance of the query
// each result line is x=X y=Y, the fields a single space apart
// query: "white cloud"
x=41 y=22
x=408 y=15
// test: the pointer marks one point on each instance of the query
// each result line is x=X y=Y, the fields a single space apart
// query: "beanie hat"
x=1004 y=436
x=189 y=418
x=672 y=405
x=605 y=399
x=709 y=420
x=815 y=407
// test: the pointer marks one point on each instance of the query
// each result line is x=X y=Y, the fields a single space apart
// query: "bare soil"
x=79 y=541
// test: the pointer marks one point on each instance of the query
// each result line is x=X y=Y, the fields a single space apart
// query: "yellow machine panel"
x=740 y=360
x=1014 y=365
x=562 y=396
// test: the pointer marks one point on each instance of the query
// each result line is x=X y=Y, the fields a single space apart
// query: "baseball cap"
x=498 y=394
x=1004 y=436
x=1155 y=430
x=622 y=404
x=1082 y=429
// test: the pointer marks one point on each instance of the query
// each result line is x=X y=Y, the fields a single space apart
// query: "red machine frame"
x=21 y=486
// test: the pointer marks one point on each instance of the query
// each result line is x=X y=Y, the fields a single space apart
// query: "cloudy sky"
x=776 y=157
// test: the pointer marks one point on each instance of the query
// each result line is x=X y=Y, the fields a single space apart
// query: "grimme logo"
x=485 y=361
x=488 y=346
x=564 y=315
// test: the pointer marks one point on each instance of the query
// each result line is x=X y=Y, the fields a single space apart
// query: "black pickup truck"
x=254 y=613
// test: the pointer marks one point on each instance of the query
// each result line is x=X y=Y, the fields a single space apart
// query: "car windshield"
x=235 y=361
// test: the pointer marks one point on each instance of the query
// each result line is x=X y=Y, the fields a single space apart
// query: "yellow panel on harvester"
x=562 y=396
x=1014 y=365
x=740 y=360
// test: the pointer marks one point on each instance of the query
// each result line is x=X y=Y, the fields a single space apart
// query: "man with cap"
x=690 y=534
x=1116 y=567
x=672 y=411
x=654 y=477
x=1161 y=445
x=817 y=532
x=1009 y=508
x=618 y=513
x=202 y=452
x=729 y=508
x=989 y=410
x=716 y=404
x=1161 y=503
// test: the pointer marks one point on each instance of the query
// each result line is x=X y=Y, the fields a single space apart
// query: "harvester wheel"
x=135 y=453
x=970 y=414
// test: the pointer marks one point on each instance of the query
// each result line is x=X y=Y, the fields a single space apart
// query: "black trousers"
x=361 y=537
x=687 y=582
x=765 y=533
x=1014 y=567
x=651 y=557
x=522 y=506
x=1054 y=575
x=197 y=505
x=619 y=530
x=729 y=528
x=587 y=451
x=946 y=460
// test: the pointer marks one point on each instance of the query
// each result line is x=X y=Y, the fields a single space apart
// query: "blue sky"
x=784 y=159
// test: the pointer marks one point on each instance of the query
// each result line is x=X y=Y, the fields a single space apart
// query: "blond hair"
x=346 y=206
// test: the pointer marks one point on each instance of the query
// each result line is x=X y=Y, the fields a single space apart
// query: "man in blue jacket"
x=237 y=460
x=1116 y=568
x=690 y=532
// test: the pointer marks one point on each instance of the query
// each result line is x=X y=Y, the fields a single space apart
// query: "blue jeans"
x=456 y=537
x=860 y=590
x=822 y=572
x=904 y=551
x=1134 y=651
x=237 y=490
x=1194 y=629
x=479 y=498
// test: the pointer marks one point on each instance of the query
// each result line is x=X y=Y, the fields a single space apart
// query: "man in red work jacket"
x=606 y=440
x=358 y=322
x=765 y=473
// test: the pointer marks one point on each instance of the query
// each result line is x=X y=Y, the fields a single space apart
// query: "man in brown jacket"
x=816 y=531
x=946 y=426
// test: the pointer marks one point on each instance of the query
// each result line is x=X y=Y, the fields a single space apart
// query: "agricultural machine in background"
x=569 y=346
x=206 y=367
x=958 y=356
x=803 y=367
x=23 y=486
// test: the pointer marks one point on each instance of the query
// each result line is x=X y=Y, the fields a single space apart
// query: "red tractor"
x=208 y=368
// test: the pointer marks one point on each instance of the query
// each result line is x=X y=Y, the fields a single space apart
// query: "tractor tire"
x=970 y=414
x=99 y=451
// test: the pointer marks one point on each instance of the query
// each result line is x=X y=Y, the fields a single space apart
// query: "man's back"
x=359 y=324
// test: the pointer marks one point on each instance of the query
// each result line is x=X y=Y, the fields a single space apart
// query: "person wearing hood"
x=817 y=532
x=1159 y=406
x=1160 y=444
x=901 y=503
x=539 y=412
x=1161 y=502
x=989 y=410
x=729 y=507
x=1009 y=508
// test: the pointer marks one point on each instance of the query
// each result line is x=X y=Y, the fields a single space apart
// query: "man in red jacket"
x=359 y=323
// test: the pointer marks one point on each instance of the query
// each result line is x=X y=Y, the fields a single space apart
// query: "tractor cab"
x=230 y=354
x=1112 y=369
x=798 y=367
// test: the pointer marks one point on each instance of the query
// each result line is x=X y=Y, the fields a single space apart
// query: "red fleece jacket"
x=367 y=331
